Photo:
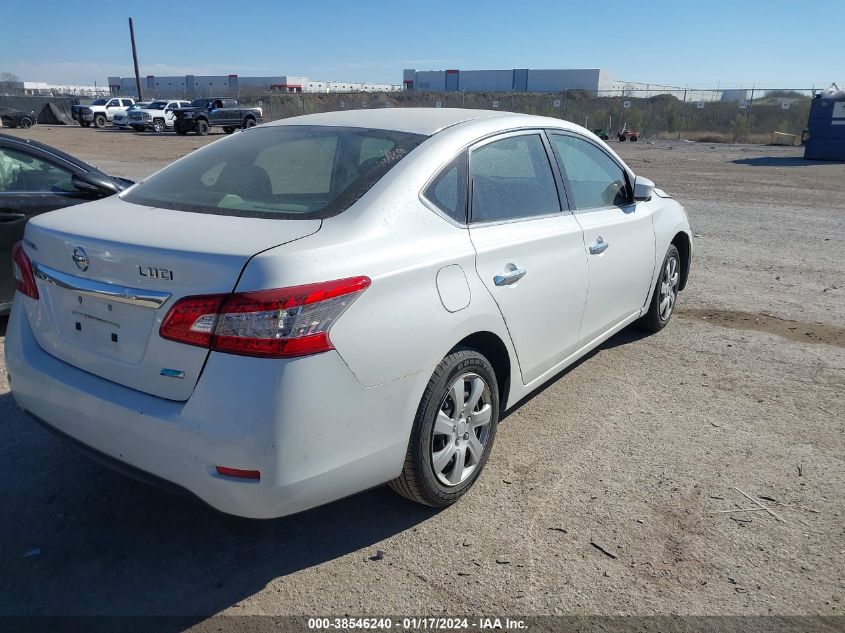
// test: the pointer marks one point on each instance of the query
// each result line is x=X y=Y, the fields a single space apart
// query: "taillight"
x=276 y=323
x=24 y=278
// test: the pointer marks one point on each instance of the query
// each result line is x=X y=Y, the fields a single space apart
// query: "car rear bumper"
x=311 y=429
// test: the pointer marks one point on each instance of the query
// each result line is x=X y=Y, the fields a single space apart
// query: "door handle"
x=510 y=277
x=599 y=246
x=11 y=217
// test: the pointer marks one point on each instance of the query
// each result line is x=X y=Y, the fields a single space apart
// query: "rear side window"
x=448 y=190
x=595 y=180
x=289 y=172
x=512 y=179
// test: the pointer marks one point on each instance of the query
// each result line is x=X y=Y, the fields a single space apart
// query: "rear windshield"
x=287 y=172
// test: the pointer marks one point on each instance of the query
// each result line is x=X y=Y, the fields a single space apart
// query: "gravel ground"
x=604 y=490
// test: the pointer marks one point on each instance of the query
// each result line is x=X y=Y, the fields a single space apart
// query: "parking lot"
x=605 y=491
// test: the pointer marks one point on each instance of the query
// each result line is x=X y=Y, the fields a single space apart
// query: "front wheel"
x=26 y=122
x=453 y=431
x=201 y=127
x=158 y=125
x=85 y=123
x=100 y=121
x=248 y=123
x=180 y=129
x=665 y=293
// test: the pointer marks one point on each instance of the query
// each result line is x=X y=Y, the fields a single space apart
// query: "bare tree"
x=7 y=82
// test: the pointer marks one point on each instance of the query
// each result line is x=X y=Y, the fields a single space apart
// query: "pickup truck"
x=100 y=111
x=206 y=113
x=157 y=115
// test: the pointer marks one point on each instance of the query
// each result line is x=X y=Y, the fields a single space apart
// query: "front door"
x=529 y=248
x=618 y=233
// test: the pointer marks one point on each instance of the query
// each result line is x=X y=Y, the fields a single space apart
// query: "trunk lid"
x=107 y=273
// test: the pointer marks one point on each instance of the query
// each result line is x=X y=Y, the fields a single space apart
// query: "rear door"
x=30 y=183
x=618 y=232
x=530 y=249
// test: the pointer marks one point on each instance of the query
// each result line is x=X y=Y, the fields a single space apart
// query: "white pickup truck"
x=157 y=116
x=100 y=111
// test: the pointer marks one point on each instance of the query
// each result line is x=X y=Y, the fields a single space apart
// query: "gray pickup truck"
x=206 y=113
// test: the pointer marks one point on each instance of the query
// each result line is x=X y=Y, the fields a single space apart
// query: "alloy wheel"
x=461 y=430
x=669 y=279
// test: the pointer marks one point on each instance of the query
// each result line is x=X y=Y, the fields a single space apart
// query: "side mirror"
x=643 y=189
x=96 y=183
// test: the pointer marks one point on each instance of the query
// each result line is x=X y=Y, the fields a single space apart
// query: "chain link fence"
x=775 y=115
x=730 y=116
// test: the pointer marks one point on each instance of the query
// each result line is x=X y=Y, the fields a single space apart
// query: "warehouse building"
x=191 y=86
x=594 y=80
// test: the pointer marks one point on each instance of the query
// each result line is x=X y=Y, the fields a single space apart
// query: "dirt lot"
x=637 y=449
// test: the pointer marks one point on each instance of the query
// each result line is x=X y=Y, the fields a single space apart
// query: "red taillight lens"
x=276 y=323
x=24 y=278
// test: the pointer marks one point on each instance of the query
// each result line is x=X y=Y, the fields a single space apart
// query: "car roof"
x=425 y=121
x=26 y=142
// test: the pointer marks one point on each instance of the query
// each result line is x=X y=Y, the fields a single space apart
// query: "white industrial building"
x=593 y=80
x=46 y=89
x=190 y=86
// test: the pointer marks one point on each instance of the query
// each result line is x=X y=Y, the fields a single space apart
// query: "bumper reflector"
x=237 y=472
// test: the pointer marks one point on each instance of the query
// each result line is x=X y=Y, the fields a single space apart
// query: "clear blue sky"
x=775 y=43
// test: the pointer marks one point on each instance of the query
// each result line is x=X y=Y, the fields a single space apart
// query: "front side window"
x=22 y=172
x=595 y=179
x=126 y=103
x=448 y=191
x=512 y=179
x=288 y=171
x=157 y=105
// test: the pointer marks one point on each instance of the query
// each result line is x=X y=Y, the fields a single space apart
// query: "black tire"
x=100 y=121
x=85 y=123
x=159 y=125
x=201 y=127
x=419 y=482
x=656 y=319
x=180 y=129
x=621 y=138
x=228 y=129
x=633 y=139
x=249 y=122
x=26 y=122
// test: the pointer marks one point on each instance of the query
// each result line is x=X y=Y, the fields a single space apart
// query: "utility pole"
x=135 y=59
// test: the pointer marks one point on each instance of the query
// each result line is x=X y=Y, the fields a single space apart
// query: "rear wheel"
x=158 y=125
x=632 y=139
x=85 y=123
x=665 y=293
x=228 y=129
x=26 y=122
x=201 y=127
x=248 y=123
x=453 y=431
x=100 y=120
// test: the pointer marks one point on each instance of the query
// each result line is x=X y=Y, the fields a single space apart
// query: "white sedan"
x=336 y=301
